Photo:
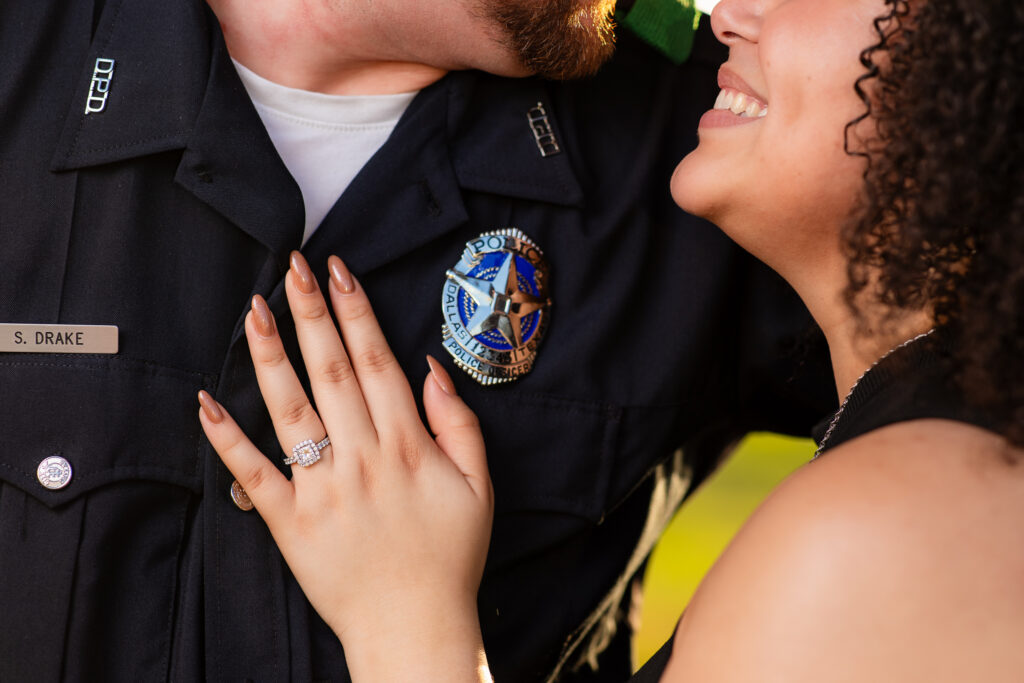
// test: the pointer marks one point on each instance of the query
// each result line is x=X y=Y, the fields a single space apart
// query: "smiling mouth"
x=741 y=104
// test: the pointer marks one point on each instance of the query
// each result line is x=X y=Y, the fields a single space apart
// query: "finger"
x=293 y=416
x=456 y=427
x=386 y=390
x=269 y=490
x=338 y=395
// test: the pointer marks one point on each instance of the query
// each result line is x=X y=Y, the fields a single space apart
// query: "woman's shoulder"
x=903 y=488
x=927 y=461
x=895 y=557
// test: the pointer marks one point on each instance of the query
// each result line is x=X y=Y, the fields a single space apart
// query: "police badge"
x=496 y=306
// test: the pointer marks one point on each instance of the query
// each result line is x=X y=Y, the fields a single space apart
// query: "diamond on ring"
x=307 y=452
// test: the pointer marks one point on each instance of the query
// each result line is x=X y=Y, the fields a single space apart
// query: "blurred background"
x=705 y=6
x=704 y=526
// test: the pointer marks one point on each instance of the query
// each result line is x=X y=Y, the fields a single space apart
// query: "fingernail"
x=210 y=408
x=441 y=376
x=304 y=276
x=340 y=276
x=262 y=317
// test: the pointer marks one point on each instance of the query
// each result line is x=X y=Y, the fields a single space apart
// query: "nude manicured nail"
x=210 y=408
x=441 y=376
x=340 y=276
x=262 y=318
x=303 y=275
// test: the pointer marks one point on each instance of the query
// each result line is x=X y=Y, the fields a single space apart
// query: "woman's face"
x=774 y=176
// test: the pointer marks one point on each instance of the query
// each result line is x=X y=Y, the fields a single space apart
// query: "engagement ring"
x=307 y=452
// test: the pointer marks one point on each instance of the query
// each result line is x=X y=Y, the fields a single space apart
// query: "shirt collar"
x=154 y=92
x=162 y=54
x=173 y=87
x=498 y=128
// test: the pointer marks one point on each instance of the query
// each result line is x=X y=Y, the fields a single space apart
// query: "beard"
x=557 y=39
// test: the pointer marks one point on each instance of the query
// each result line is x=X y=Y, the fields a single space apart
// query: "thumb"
x=455 y=426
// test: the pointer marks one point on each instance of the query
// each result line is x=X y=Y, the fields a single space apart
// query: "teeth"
x=740 y=104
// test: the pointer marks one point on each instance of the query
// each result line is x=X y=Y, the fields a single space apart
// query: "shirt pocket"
x=549 y=454
x=91 y=570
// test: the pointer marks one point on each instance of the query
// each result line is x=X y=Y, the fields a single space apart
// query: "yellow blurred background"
x=705 y=525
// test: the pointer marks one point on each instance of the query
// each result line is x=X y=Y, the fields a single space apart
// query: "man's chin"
x=558 y=39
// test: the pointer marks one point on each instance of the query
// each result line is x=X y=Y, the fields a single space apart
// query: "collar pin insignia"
x=496 y=306
x=544 y=135
x=99 y=87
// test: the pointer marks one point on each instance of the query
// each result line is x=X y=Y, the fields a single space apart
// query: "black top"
x=652 y=670
x=913 y=382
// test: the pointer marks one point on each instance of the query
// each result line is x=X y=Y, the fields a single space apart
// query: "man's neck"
x=339 y=48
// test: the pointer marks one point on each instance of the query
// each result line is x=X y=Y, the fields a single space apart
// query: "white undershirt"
x=324 y=140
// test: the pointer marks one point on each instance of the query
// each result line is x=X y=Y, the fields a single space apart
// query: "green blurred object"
x=666 y=25
x=704 y=526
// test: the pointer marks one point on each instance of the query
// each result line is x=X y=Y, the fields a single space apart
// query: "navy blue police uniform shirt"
x=166 y=208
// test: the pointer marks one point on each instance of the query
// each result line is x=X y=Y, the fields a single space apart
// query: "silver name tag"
x=19 y=338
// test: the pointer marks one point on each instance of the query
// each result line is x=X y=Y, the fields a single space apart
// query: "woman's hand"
x=387 y=533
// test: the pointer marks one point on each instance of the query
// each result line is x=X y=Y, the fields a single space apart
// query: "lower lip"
x=723 y=118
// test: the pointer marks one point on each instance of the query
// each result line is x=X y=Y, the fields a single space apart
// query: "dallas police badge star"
x=496 y=306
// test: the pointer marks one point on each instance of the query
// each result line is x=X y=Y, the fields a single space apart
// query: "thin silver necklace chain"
x=842 y=406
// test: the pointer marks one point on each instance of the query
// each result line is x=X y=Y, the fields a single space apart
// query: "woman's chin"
x=692 y=191
x=706 y=190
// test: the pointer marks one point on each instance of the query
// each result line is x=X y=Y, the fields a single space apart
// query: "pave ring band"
x=306 y=453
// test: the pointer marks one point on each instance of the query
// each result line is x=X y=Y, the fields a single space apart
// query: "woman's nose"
x=737 y=20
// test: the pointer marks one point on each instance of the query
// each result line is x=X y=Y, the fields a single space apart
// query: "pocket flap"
x=110 y=418
x=548 y=453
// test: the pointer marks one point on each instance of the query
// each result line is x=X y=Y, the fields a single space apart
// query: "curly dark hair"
x=941 y=222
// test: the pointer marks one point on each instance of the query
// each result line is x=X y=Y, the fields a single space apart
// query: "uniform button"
x=54 y=472
x=240 y=497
